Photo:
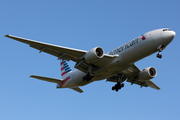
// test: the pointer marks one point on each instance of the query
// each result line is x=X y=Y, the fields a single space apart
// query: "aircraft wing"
x=61 y=52
x=58 y=51
x=131 y=73
x=147 y=83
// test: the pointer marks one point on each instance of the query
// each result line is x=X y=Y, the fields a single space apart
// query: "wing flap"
x=53 y=80
x=132 y=71
x=137 y=82
x=54 y=53
x=147 y=83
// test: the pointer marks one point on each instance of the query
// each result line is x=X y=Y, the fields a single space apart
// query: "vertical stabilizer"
x=65 y=69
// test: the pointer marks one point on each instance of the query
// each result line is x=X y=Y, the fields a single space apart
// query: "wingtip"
x=32 y=76
x=6 y=35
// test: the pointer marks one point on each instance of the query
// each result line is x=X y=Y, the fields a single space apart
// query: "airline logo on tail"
x=64 y=68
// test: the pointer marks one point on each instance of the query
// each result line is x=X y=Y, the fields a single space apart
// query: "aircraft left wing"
x=58 y=51
x=131 y=73
x=62 y=52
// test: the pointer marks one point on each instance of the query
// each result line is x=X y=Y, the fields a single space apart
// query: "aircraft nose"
x=169 y=35
x=172 y=34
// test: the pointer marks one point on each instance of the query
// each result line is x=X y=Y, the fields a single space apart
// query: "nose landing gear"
x=159 y=55
x=160 y=49
x=89 y=74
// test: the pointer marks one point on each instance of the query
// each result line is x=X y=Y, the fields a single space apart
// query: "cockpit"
x=167 y=30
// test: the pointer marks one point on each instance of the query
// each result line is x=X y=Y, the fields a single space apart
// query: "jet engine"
x=147 y=73
x=94 y=54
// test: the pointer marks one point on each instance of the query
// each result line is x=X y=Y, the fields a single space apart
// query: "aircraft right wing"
x=147 y=83
x=134 y=80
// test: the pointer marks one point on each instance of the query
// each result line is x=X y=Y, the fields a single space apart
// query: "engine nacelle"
x=94 y=54
x=147 y=73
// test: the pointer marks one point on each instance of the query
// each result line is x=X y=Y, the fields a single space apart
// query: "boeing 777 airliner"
x=115 y=66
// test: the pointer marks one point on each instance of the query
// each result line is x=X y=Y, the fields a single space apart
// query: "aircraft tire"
x=87 y=80
x=122 y=85
x=116 y=89
x=84 y=78
x=159 y=56
x=113 y=87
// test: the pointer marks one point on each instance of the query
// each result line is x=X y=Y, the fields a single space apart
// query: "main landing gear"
x=160 y=49
x=88 y=76
x=119 y=84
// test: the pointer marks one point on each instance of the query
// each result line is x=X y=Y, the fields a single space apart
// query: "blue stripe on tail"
x=66 y=66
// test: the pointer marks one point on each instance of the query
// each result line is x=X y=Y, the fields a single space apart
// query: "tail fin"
x=64 y=68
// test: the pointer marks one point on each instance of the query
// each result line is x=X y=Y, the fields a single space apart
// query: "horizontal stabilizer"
x=53 y=80
x=47 y=79
x=77 y=89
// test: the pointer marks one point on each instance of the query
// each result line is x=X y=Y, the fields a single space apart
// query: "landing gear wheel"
x=159 y=56
x=87 y=80
x=84 y=78
x=160 y=49
x=122 y=84
x=117 y=89
x=118 y=86
x=113 y=88
x=120 y=78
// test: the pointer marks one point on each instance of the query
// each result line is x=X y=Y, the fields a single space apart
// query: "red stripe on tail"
x=63 y=73
x=62 y=68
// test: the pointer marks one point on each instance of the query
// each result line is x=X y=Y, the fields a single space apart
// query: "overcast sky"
x=83 y=24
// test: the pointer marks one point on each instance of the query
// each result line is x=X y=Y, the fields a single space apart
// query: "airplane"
x=115 y=66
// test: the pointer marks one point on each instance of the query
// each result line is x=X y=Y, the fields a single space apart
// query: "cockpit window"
x=167 y=30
